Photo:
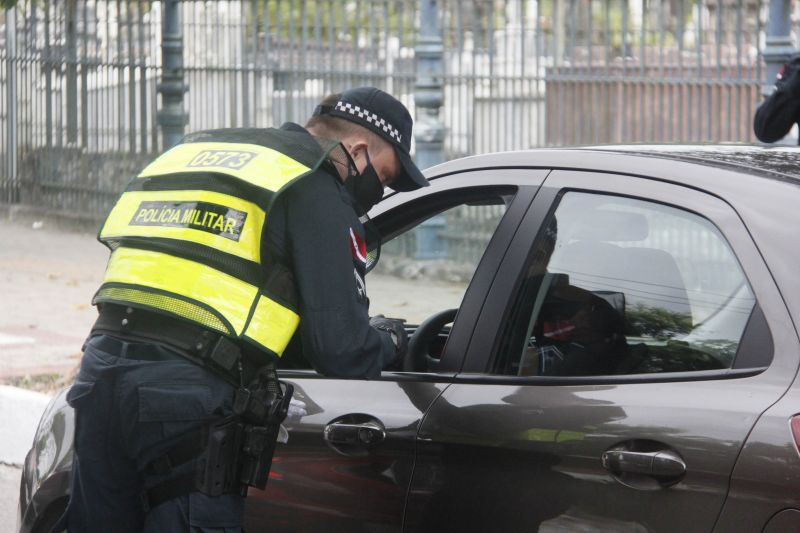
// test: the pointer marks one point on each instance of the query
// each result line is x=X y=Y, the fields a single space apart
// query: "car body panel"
x=536 y=445
x=316 y=486
x=46 y=472
x=766 y=478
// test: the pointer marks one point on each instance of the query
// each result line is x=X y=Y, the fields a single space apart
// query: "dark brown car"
x=622 y=357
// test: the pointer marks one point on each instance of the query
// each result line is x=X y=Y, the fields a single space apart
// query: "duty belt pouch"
x=218 y=471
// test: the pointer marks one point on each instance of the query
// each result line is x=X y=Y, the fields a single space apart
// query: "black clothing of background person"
x=781 y=110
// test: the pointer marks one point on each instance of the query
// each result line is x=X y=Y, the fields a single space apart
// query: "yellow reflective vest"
x=186 y=235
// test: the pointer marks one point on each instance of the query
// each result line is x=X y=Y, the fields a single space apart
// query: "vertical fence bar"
x=172 y=118
x=664 y=91
x=84 y=63
x=625 y=82
x=12 y=118
x=142 y=77
x=131 y=103
x=71 y=69
x=700 y=75
x=47 y=65
x=684 y=128
x=428 y=95
x=739 y=72
x=778 y=45
x=642 y=95
x=120 y=88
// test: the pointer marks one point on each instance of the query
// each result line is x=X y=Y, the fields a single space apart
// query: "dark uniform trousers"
x=131 y=401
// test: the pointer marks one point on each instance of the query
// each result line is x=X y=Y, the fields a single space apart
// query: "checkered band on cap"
x=370 y=117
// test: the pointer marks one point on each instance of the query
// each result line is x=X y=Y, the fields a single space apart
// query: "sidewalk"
x=47 y=279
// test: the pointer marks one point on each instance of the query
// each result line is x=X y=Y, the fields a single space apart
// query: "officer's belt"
x=210 y=350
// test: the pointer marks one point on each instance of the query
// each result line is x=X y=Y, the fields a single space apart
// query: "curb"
x=21 y=410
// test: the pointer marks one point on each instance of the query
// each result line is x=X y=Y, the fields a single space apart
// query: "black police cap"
x=386 y=116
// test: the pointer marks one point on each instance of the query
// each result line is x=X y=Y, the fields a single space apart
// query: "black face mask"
x=365 y=187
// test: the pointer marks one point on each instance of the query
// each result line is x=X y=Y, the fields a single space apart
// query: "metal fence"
x=79 y=78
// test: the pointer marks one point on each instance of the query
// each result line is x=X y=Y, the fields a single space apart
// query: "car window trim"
x=561 y=181
x=615 y=379
x=386 y=375
x=521 y=183
x=527 y=182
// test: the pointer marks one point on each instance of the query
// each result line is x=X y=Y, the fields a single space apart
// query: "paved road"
x=9 y=494
x=47 y=279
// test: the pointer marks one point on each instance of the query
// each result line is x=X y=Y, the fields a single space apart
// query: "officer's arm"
x=781 y=110
x=334 y=326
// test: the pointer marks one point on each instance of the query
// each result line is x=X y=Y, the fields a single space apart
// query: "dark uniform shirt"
x=781 y=110
x=314 y=230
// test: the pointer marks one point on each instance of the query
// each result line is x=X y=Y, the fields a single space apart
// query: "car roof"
x=777 y=162
x=774 y=161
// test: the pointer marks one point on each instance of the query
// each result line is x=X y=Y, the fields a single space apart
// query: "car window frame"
x=703 y=203
x=523 y=183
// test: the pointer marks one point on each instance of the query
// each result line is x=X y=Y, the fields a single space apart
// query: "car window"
x=427 y=268
x=618 y=285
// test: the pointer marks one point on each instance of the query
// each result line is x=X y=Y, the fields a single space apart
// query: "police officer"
x=780 y=110
x=222 y=249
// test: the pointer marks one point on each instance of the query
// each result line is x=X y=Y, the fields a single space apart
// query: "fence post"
x=71 y=60
x=429 y=130
x=11 y=106
x=172 y=117
x=778 y=46
x=429 y=94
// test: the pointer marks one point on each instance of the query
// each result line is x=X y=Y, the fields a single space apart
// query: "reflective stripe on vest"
x=257 y=165
x=173 y=248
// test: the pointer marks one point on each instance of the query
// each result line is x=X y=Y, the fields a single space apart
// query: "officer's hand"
x=395 y=328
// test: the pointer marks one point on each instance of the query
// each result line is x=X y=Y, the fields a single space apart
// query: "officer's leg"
x=105 y=486
x=167 y=400
x=203 y=514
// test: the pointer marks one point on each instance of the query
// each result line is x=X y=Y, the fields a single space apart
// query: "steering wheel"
x=417 y=358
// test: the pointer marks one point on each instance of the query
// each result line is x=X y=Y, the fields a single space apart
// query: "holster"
x=238 y=450
x=262 y=412
x=217 y=469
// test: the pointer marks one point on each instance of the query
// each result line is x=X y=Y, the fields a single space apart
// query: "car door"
x=631 y=340
x=351 y=443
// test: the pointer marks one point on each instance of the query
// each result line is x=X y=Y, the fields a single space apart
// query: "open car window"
x=430 y=249
x=427 y=267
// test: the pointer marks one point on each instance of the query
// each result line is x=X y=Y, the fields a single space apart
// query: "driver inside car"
x=573 y=331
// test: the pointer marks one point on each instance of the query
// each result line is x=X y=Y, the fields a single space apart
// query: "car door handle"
x=662 y=463
x=366 y=434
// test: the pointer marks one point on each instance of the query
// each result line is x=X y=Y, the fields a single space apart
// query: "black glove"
x=395 y=328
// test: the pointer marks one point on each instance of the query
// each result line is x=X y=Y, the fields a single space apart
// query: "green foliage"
x=338 y=20
x=675 y=356
x=656 y=322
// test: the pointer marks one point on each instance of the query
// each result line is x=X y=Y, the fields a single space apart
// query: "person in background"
x=781 y=110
